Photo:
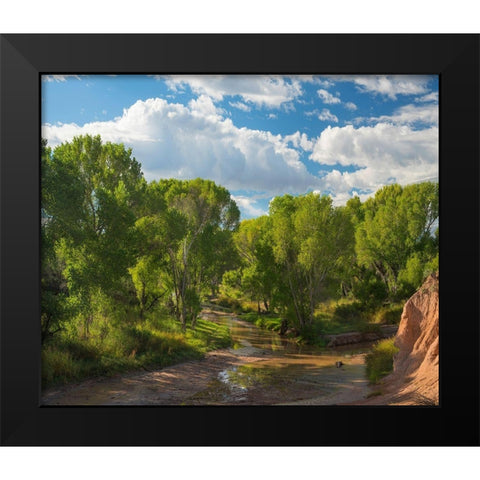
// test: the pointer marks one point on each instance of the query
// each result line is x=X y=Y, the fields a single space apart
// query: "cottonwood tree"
x=206 y=217
x=310 y=240
x=258 y=274
x=156 y=235
x=396 y=232
x=90 y=191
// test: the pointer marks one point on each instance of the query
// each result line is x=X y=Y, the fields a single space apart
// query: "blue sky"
x=259 y=136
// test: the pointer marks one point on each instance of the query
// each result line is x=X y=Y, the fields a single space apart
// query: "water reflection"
x=286 y=372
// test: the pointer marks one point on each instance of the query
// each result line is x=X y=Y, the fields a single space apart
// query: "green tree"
x=207 y=216
x=90 y=191
x=258 y=272
x=311 y=239
x=397 y=227
x=156 y=237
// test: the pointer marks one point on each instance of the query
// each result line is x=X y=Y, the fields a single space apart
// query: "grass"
x=376 y=393
x=332 y=317
x=232 y=304
x=310 y=335
x=345 y=316
x=379 y=361
x=267 y=321
x=154 y=343
x=389 y=314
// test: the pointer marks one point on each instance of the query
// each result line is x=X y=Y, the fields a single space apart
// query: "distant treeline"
x=118 y=247
x=306 y=250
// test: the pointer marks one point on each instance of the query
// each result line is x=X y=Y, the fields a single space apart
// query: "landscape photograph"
x=237 y=240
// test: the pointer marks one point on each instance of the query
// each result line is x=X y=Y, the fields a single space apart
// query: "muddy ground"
x=200 y=382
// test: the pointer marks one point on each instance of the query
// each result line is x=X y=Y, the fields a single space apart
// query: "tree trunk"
x=45 y=328
x=265 y=304
x=194 y=317
x=86 y=326
x=183 y=287
x=297 y=311
x=175 y=283
x=380 y=272
x=142 y=301
x=310 y=294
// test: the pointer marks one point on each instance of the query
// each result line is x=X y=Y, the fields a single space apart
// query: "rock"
x=414 y=380
x=418 y=341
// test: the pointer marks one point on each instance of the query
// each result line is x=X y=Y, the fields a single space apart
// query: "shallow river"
x=287 y=373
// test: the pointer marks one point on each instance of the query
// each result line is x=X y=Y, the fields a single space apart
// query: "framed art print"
x=237 y=240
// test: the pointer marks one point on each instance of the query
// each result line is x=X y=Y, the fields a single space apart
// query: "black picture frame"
x=455 y=58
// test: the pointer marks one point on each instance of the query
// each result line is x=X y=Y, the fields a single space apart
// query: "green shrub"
x=349 y=311
x=308 y=334
x=370 y=291
x=58 y=366
x=155 y=342
x=250 y=317
x=379 y=361
x=231 y=303
x=365 y=327
x=352 y=316
x=431 y=266
x=80 y=349
x=411 y=277
x=267 y=322
x=210 y=335
x=389 y=315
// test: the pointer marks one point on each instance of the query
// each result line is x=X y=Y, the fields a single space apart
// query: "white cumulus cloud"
x=173 y=140
x=327 y=97
x=430 y=97
x=241 y=106
x=325 y=83
x=408 y=115
x=387 y=85
x=300 y=140
x=393 y=85
x=58 y=78
x=268 y=91
x=327 y=116
x=382 y=154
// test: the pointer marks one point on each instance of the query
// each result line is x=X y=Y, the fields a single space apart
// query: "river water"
x=284 y=373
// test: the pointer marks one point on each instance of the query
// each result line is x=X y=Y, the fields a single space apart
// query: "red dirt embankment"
x=414 y=380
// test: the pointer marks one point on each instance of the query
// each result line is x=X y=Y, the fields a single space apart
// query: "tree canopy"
x=111 y=238
x=120 y=247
